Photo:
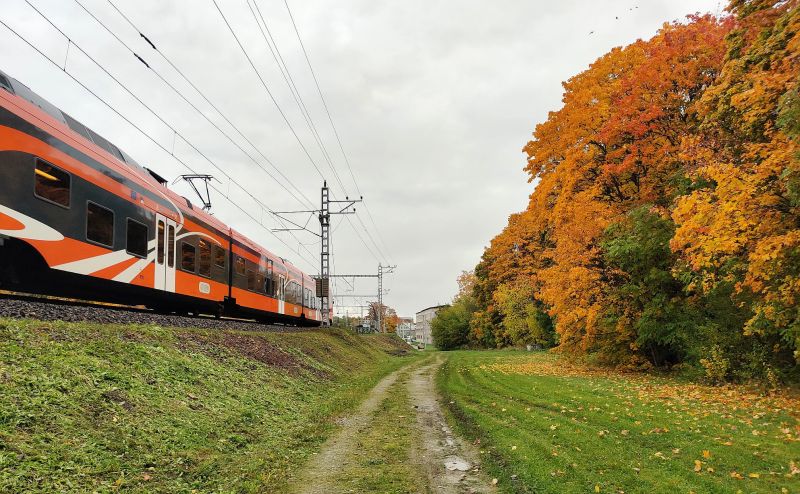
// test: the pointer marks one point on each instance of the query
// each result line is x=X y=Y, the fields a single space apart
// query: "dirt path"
x=396 y=441
x=452 y=465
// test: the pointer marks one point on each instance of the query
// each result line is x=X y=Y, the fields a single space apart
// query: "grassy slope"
x=146 y=409
x=563 y=430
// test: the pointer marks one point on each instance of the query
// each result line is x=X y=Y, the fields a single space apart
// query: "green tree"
x=450 y=327
x=524 y=318
x=648 y=310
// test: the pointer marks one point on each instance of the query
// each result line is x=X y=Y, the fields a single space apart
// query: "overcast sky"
x=433 y=101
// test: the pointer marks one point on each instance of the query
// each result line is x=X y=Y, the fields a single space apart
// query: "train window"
x=77 y=126
x=51 y=184
x=219 y=256
x=260 y=283
x=270 y=286
x=188 y=253
x=5 y=84
x=204 y=264
x=251 y=279
x=239 y=265
x=136 y=239
x=160 y=242
x=105 y=144
x=99 y=224
x=171 y=246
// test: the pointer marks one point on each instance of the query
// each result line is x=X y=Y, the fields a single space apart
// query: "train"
x=80 y=218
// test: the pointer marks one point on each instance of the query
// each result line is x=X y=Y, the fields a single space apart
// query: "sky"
x=432 y=102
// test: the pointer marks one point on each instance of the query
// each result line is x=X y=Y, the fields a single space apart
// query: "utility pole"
x=324 y=213
x=324 y=255
x=381 y=271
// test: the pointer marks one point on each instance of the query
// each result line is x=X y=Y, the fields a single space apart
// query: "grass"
x=382 y=461
x=564 y=428
x=93 y=408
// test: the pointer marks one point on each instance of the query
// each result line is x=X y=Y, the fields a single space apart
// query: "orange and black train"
x=80 y=218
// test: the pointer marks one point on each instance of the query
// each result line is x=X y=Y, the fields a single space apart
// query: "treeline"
x=664 y=227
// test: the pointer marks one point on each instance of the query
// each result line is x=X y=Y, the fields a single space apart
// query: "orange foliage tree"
x=615 y=144
x=741 y=224
x=665 y=221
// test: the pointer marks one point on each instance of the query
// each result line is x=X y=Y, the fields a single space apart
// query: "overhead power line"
x=305 y=198
x=269 y=40
x=283 y=114
x=269 y=92
x=333 y=125
x=139 y=129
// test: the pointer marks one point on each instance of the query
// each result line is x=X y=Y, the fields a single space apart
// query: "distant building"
x=422 y=332
x=405 y=328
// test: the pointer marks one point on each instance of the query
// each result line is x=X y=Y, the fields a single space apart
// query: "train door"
x=281 y=295
x=165 y=253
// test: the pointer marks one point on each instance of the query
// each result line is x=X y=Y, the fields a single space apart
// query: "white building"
x=405 y=328
x=423 y=326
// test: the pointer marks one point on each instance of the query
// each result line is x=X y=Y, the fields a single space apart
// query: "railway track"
x=16 y=305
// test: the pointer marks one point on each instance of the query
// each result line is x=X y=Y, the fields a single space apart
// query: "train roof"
x=145 y=174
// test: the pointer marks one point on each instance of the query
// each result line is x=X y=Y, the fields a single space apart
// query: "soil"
x=251 y=346
x=319 y=476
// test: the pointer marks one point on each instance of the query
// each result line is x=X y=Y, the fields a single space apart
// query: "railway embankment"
x=90 y=407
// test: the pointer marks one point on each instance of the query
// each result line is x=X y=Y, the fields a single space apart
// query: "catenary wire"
x=290 y=82
x=333 y=125
x=271 y=96
x=155 y=114
x=269 y=93
x=202 y=95
x=190 y=103
x=145 y=134
x=269 y=40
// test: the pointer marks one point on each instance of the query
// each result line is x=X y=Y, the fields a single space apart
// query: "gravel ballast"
x=44 y=310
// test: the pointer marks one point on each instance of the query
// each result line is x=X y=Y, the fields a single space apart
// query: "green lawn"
x=93 y=408
x=562 y=428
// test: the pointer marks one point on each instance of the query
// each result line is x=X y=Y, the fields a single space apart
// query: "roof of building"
x=433 y=307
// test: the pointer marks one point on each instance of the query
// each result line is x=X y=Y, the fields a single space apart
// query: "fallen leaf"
x=706 y=453
x=754 y=475
x=597 y=488
x=494 y=481
x=698 y=465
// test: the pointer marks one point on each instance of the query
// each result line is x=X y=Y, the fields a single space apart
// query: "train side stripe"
x=92 y=264
x=129 y=274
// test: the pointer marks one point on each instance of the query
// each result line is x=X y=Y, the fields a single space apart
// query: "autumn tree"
x=665 y=221
x=614 y=145
x=388 y=316
x=740 y=225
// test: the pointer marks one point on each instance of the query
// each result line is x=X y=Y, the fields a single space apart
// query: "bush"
x=450 y=327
